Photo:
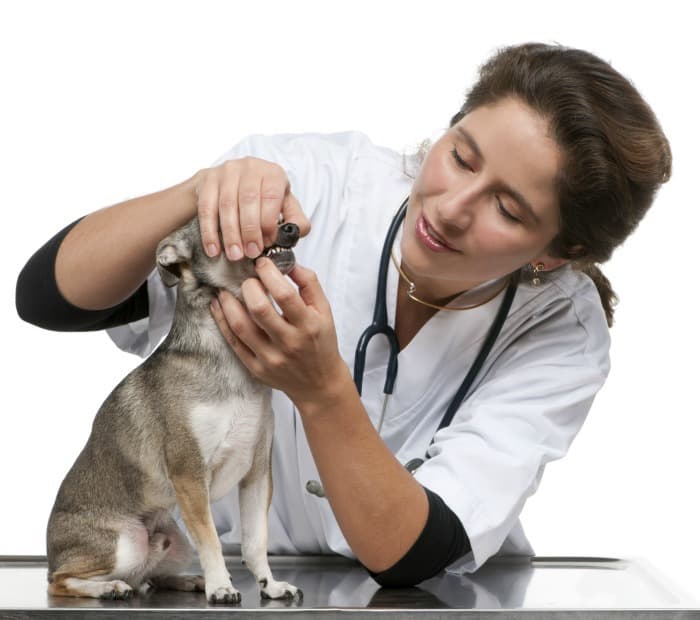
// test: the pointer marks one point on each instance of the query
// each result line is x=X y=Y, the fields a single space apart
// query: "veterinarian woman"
x=549 y=164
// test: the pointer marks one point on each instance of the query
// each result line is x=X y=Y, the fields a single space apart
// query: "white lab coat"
x=524 y=409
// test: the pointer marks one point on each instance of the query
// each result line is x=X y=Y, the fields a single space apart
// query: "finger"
x=207 y=211
x=228 y=211
x=285 y=295
x=249 y=214
x=240 y=349
x=262 y=311
x=275 y=186
x=224 y=327
x=309 y=288
x=292 y=212
x=242 y=325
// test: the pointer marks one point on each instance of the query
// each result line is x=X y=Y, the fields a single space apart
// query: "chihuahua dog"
x=182 y=428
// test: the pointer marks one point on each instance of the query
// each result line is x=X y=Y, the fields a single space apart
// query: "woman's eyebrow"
x=470 y=141
x=517 y=196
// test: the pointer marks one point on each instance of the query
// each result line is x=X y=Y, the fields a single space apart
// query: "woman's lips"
x=430 y=239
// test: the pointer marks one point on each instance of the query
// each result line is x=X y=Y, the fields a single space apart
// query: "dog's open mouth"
x=280 y=252
x=282 y=257
x=275 y=250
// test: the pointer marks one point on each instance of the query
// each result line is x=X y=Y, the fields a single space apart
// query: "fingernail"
x=261 y=262
x=236 y=252
x=216 y=305
x=252 y=250
x=211 y=250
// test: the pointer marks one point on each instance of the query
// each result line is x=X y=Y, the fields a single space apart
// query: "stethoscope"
x=380 y=325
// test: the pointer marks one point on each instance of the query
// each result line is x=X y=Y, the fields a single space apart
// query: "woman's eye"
x=460 y=161
x=463 y=164
x=504 y=212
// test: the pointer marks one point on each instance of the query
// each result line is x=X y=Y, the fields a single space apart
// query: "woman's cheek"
x=434 y=176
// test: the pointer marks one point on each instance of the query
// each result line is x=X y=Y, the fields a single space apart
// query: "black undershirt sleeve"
x=39 y=302
x=442 y=541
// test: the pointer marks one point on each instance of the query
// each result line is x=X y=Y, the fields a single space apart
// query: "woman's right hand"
x=244 y=198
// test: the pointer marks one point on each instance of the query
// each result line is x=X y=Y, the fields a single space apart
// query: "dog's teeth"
x=273 y=251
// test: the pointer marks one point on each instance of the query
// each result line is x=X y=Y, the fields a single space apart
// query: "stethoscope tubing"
x=380 y=320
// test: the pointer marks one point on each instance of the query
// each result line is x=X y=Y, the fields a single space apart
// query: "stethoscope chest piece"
x=313 y=487
x=413 y=464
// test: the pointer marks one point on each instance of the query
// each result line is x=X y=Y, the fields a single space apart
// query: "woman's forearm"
x=379 y=506
x=110 y=252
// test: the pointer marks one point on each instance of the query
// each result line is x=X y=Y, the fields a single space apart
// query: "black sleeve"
x=442 y=541
x=38 y=300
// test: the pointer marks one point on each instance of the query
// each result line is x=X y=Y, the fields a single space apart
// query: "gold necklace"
x=412 y=290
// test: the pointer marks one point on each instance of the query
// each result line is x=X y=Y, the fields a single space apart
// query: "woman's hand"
x=297 y=351
x=244 y=198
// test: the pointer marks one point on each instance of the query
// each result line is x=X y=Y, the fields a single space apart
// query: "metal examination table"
x=333 y=587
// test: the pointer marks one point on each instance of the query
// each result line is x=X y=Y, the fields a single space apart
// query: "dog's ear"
x=172 y=251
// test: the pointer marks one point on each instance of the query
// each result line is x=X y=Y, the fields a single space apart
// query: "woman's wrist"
x=186 y=196
x=338 y=385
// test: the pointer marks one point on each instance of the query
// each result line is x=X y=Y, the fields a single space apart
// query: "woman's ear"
x=550 y=263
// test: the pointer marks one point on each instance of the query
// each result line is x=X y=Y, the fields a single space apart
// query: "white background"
x=104 y=101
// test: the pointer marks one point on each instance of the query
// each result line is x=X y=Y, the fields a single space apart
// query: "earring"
x=535 y=270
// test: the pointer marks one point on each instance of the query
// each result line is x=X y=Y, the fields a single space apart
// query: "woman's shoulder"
x=310 y=141
x=568 y=312
x=574 y=287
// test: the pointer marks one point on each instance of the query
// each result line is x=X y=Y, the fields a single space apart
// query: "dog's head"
x=181 y=256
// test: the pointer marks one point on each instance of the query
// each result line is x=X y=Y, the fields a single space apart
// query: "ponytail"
x=608 y=298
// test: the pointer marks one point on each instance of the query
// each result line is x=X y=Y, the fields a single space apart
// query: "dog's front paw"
x=223 y=595
x=269 y=588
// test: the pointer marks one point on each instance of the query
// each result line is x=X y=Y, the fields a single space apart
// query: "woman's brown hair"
x=615 y=154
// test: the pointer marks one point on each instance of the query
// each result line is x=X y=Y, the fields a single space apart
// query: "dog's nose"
x=291 y=230
x=287 y=234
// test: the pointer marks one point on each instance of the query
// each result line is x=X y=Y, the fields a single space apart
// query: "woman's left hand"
x=297 y=351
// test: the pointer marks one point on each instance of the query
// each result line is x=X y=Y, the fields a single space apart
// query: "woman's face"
x=487 y=190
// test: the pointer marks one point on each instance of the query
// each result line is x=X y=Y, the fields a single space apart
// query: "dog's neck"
x=194 y=330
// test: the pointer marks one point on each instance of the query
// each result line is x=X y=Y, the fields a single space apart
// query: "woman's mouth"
x=430 y=238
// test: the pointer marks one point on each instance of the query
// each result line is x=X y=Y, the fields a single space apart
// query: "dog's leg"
x=193 y=499
x=111 y=567
x=75 y=586
x=255 y=493
x=167 y=574
x=181 y=583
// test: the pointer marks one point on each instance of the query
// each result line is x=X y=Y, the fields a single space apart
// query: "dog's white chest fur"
x=228 y=433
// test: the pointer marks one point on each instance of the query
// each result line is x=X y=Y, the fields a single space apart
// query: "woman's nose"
x=457 y=210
